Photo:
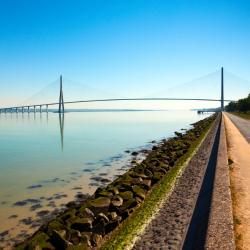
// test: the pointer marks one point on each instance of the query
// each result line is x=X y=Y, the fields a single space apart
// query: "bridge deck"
x=116 y=99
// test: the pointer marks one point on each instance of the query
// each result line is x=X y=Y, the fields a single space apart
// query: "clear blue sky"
x=122 y=46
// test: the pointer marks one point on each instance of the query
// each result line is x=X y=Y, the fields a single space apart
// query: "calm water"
x=41 y=154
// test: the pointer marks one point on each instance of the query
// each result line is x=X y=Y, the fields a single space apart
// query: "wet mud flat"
x=182 y=220
x=85 y=225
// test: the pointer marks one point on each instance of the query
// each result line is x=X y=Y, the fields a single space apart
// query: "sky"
x=128 y=48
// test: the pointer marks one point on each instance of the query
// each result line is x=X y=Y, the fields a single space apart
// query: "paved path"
x=242 y=124
x=220 y=231
x=168 y=229
x=239 y=152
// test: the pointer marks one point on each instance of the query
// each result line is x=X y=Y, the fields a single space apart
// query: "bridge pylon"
x=222 y=89
x=61 y=102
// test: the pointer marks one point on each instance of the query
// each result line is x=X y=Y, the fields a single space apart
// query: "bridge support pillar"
x=47 y=108
x=16 y=110
x=61 y=101
x=22 y=109
x=222 y=89
x=34 y=109
x=40 y=108
x=28 y=110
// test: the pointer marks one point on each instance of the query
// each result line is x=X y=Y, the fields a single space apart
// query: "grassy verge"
x=242 y=115
x=125 y=235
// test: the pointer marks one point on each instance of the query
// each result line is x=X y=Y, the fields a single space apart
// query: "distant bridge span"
x=28 y=107
x=145 y=99
x=62 y=102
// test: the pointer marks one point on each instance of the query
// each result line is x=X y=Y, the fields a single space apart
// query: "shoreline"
x=23 y=217
x=160 y=213
x=108 y=207
x=21 y=221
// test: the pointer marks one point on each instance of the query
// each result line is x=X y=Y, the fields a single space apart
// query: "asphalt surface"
x=242 y=124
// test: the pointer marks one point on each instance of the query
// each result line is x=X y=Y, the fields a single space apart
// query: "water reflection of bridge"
x=41 y=117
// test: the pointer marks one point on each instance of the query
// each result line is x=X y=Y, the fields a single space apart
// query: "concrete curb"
x=220 y=231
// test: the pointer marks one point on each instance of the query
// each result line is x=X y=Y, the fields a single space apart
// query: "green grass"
x=242 y=115
x=124 y=236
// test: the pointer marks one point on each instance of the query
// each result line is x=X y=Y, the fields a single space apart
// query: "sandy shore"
x=239 y=153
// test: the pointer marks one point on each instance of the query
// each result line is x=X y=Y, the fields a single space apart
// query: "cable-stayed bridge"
x=43 y=106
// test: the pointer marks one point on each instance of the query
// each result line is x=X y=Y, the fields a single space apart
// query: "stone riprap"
x=169 y=227
x=83 y=226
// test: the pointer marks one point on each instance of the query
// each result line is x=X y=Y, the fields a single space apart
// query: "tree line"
x=242 y=105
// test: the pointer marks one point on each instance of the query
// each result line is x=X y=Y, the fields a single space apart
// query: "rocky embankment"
x=170 y=227
x=83 y=226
